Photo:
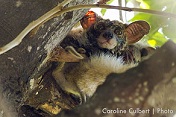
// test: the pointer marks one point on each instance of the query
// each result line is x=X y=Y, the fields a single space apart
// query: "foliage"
x=162 y=28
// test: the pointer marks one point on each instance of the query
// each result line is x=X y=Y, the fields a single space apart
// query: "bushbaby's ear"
x=136 y=30
x=89 y=18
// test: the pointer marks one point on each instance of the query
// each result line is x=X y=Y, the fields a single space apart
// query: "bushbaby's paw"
x=69 y=54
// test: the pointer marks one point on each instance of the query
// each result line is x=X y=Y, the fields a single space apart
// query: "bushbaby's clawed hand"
x=69 y=54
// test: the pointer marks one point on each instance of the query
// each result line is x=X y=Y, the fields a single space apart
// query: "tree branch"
x=164 y=14
x=32 y=25
x=18 y=65
x=57 y=12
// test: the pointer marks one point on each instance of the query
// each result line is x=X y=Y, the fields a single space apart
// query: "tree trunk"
x=22 y=63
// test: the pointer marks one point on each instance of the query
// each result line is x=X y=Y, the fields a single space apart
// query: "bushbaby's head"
x=106 y=34
x=109 y=34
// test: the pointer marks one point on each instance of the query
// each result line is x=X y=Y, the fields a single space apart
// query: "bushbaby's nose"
x=108 y=35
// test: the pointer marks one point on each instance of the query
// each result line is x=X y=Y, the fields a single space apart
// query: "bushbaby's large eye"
x=100 y=26
x=118 y=30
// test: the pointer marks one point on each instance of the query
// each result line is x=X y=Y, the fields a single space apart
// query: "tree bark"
x=20 y=64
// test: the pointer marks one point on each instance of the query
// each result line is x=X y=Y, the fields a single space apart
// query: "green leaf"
x=103 y=11
x=169 y=29
x=110 y=1
x=141 y=16
x=159 y=38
